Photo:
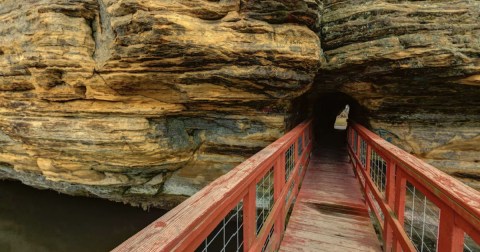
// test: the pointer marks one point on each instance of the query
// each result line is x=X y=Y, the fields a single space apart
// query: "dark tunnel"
x=326 y=108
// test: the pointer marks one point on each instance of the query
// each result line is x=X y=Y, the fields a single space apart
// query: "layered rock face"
x=129 y=99
x=414 y=66
x=141 y=101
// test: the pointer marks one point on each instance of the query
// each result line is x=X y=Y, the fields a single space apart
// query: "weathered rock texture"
x=414 y=66
x=122 y=99
x=139 y=100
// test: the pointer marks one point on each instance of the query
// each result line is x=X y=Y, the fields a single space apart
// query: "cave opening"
x=330 y=111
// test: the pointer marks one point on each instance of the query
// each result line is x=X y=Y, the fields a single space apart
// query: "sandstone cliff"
x=414 y=66
x=129 y=99
x=119 y=98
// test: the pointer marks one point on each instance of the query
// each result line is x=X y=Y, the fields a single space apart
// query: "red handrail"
x=186 y=226
x=459 y=204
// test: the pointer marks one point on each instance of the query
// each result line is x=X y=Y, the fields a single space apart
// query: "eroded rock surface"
x=142 y=101
x=414 y=66
x=126 y=98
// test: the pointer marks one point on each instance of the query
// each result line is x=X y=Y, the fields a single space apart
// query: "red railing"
x=244 y=210
x=417 y=206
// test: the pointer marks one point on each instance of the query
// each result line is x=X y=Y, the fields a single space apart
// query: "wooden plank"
x=330 y=212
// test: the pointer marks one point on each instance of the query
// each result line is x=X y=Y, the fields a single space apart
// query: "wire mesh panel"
x=376 y=206
x=363 y=152
x=307 y=137
x=360 y=175
x=300 y=145
x=300 y=169
x=421 y=220
x=469 y=245
x=378 y=171
x=309 y=134
x=289 y=161
x=290 y=190
x=228 y=235
x=264 y=198
x=354 y=161
x=267 y=241
x=355 y=139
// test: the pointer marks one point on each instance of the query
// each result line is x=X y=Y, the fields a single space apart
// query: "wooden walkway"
x=330 y=212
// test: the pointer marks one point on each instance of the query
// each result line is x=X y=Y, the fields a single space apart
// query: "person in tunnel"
x=329 y=109
x=341 y=119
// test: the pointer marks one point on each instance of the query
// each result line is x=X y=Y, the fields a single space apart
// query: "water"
x=42 y=220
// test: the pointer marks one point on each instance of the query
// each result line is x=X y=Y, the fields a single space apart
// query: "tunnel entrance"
x=330 y=112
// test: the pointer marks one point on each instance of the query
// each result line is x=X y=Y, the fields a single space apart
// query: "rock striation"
x=126 y=99
x=146 y=101
x=414 y=67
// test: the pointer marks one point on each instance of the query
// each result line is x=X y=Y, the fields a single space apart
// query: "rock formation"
x=139 y=100
x=122 y=99
x=414 y=66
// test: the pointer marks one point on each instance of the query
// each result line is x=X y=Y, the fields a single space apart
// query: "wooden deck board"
x=330 y=212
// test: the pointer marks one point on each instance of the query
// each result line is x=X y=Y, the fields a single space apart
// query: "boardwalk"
x=330 y=213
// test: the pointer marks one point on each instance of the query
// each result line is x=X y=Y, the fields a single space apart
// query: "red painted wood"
x=464 y=200
x=368 y=157
x=185 y=227
x=465 y=226
x=279 y=184
x=450 y=237
x=459 y=204
x=191 y=222
x=390 y=199
x=399 y=208
x=249 y=218
x=399 y=234
x=279 y=206
x=313 y=226
x=358 y=143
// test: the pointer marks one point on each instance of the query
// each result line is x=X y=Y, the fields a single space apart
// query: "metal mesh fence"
x=377 y=207
x=228 y=235
x=378 y=171
x=267 y=241
x=354 y=161
x=290 y=190
x=355 y=140
x=300 y=145
x=307 y=137
x=363 y=152
x=264 y=198
x=300 y=170
x=289 y=161
x=421 y=220
x=360 y=175
x=469 y=245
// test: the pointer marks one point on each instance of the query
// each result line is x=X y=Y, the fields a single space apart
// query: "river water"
x=43 y=220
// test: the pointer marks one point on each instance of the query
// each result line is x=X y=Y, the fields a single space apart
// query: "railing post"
x=295 y=150
x=305 y=140
x=400 y=194
x=278 y=185
x=390 y=200
x=367 y=168
x=450 y=236
x=368 y=159
x=358 y=152
x=249 y=218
